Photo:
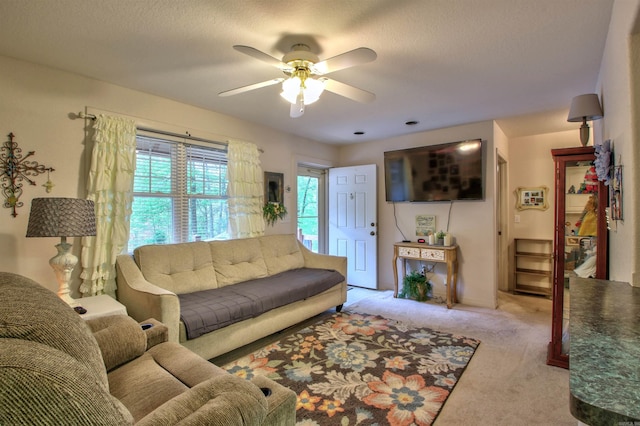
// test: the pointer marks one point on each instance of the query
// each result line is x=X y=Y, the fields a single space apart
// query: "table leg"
x=455 y=281
x=450 y=284
x=395 y=273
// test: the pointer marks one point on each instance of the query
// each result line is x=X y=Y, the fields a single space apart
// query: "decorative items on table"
x=273 y=211
x=62 y=217
x=15 y=168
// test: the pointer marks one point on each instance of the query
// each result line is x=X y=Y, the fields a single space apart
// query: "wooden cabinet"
x=580 y=237
x=533 y=266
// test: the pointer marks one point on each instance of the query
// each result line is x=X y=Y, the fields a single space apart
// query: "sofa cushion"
x=209 y=310
x=142 y=385
x=46 y=386
x=237 y=261
x=50 y=364
x=220 y=401
x=281 y=253
x=29 y=311
x=180 y=268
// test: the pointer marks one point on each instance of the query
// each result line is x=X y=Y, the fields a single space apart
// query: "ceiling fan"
x=305 y=81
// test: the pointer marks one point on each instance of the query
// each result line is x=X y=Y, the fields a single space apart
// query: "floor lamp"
x=62 y=217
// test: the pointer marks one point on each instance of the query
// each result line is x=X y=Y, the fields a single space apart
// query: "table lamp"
x=62 y=217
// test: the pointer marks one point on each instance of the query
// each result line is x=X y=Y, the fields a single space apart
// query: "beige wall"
x=620 y=84
x=531 y=164
x=35 y=106
x=472 y=223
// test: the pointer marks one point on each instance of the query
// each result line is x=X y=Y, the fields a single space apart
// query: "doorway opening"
x=502 y=224
x=311 y=208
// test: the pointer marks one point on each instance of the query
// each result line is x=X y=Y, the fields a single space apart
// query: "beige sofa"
x=58 y=369
x=155 y=281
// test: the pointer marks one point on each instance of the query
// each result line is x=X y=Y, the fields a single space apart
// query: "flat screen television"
x=444 y=172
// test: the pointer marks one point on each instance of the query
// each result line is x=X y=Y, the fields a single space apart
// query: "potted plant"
x=273 y=211
x=416 y=286
x=440 y=237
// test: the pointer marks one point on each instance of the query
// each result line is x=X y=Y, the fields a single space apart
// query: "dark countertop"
x=605 y=352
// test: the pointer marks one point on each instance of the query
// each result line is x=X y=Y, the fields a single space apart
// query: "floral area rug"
x=359 y=369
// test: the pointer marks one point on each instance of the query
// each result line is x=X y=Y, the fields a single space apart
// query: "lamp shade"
x=61 y=217
x=585 y=107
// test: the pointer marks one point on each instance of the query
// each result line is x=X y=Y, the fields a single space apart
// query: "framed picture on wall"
x=273 y=187
x=615 y=193
x=532 y=198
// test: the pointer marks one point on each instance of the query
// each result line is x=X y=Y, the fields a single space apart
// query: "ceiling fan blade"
x=251 y=87
x=261 y=56
x=296 y=110
x=358 y=56
x=348 y=91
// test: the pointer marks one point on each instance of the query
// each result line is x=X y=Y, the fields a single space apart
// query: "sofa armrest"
x=323 y=261
x=119 y=337
x=156 y=332
x=220 y=401
x=144 y=299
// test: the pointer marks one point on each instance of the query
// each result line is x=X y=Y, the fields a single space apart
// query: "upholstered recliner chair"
x=56 y=368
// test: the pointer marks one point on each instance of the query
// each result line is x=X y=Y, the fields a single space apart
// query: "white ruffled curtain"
x=110 y=186
x=245 y=190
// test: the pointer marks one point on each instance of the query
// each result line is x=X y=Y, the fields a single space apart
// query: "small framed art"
x=532 y=198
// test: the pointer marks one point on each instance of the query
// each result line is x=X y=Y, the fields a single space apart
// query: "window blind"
x=180 y=192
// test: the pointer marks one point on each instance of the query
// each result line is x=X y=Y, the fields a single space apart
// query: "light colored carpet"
x=507 y=381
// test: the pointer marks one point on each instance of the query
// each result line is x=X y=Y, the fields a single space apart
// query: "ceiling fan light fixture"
x=291 y=89
x=310 y=89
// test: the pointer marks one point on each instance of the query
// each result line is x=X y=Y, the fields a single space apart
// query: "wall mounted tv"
x=444 y=172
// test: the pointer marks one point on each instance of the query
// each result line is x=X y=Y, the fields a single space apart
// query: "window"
x=179 y=193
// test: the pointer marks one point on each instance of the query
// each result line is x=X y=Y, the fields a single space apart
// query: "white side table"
x=100 y=306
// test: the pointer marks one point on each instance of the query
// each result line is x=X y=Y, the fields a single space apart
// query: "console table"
x=427 y=253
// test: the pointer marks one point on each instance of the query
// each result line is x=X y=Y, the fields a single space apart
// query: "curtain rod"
x=162 y=132
x=165 y=133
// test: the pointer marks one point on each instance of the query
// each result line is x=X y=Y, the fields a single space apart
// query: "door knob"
x=372 y=233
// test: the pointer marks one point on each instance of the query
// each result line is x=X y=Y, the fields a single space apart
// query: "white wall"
x=35 y=105
x=619 y=84
x=472 y=222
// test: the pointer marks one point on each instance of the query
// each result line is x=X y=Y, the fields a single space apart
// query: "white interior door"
x=353 y=230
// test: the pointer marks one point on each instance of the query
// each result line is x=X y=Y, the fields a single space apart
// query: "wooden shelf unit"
x=533 y=266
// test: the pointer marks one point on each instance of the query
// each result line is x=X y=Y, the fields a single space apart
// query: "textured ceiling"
x=440 y=62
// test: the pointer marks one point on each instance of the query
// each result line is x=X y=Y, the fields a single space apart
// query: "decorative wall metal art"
x=15 y=168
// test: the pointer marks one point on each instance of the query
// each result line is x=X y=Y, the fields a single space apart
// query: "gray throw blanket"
x=208 y=310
